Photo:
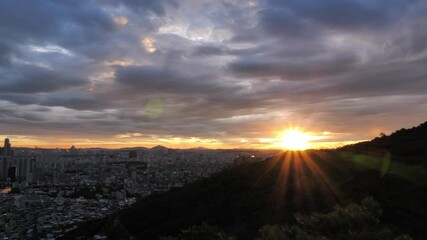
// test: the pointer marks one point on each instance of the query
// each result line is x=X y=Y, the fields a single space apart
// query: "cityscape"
x=49 y=192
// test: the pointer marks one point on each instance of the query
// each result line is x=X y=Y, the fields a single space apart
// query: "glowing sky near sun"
x=217 y=74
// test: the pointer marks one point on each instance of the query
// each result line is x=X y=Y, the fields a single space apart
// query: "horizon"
x=124 y=146
x=170 y=147
x=226 y=74
x=320 y=146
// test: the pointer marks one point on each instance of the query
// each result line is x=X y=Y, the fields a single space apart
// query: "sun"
x=294 y=139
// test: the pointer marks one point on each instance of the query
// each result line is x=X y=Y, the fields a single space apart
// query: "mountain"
x=135 y=149
x=243 y=199
x=159 y=148
x=403 y=143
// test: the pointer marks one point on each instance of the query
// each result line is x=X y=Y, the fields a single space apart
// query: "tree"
x=199 y=232
x=354 y=222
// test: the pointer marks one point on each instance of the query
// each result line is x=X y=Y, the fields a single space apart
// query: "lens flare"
x=154 y=108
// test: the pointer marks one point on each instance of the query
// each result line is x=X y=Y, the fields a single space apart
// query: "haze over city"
x=215 y=74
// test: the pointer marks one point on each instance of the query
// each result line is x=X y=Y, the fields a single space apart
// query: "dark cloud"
x=64 y=21
x=76 y=99
x=33 y=79
x=23 y=99
x=5 y=53
x=72 y=99
x=316 y=66
x=393 y=79
x=285 y=23
x=164 y=79
x=155 y=6
x=80 y=27
x=209 y=51
x=347 y=15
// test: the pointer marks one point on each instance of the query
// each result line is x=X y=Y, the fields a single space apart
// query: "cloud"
x=217 y=71
x=155 y=6
x=67 y=22
x=347 y=15
x=284 y=23
x=128 y=135
x=315 y=66
x=33 y=79
x=5 y=52
x=172 y=79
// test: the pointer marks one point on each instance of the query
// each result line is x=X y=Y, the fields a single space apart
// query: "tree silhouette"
x=353 y=222
x=199 y=232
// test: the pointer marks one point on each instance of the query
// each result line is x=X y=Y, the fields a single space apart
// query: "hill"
x=401 y=143
x=242 y=199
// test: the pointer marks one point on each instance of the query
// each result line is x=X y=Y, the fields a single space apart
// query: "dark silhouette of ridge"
x=409 y=139
x=404 y=145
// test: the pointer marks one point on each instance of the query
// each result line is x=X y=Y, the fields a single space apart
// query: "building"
x=6 y=154
x=25 y=168
x=16 y=168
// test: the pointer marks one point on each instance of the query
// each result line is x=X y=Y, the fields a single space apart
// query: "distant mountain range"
x=240 y=200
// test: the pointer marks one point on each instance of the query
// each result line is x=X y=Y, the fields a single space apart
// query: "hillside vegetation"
x=243 y=201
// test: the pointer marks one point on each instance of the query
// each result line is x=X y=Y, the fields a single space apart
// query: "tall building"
x=3 y=167
x=5 y=157
x=7 y=148
x=25 y=168
x=16 y=168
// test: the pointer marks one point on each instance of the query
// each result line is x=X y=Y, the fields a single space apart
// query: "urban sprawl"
x=45 y=193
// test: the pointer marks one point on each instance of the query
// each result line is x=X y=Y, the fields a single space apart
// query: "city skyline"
x=214 y=74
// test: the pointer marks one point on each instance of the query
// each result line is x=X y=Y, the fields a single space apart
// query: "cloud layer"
x=212 y=73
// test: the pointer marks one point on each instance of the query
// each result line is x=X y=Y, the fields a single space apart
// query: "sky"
x=203 y=73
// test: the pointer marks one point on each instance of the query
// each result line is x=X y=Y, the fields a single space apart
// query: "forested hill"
x=243 y=199
x=403 y=142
